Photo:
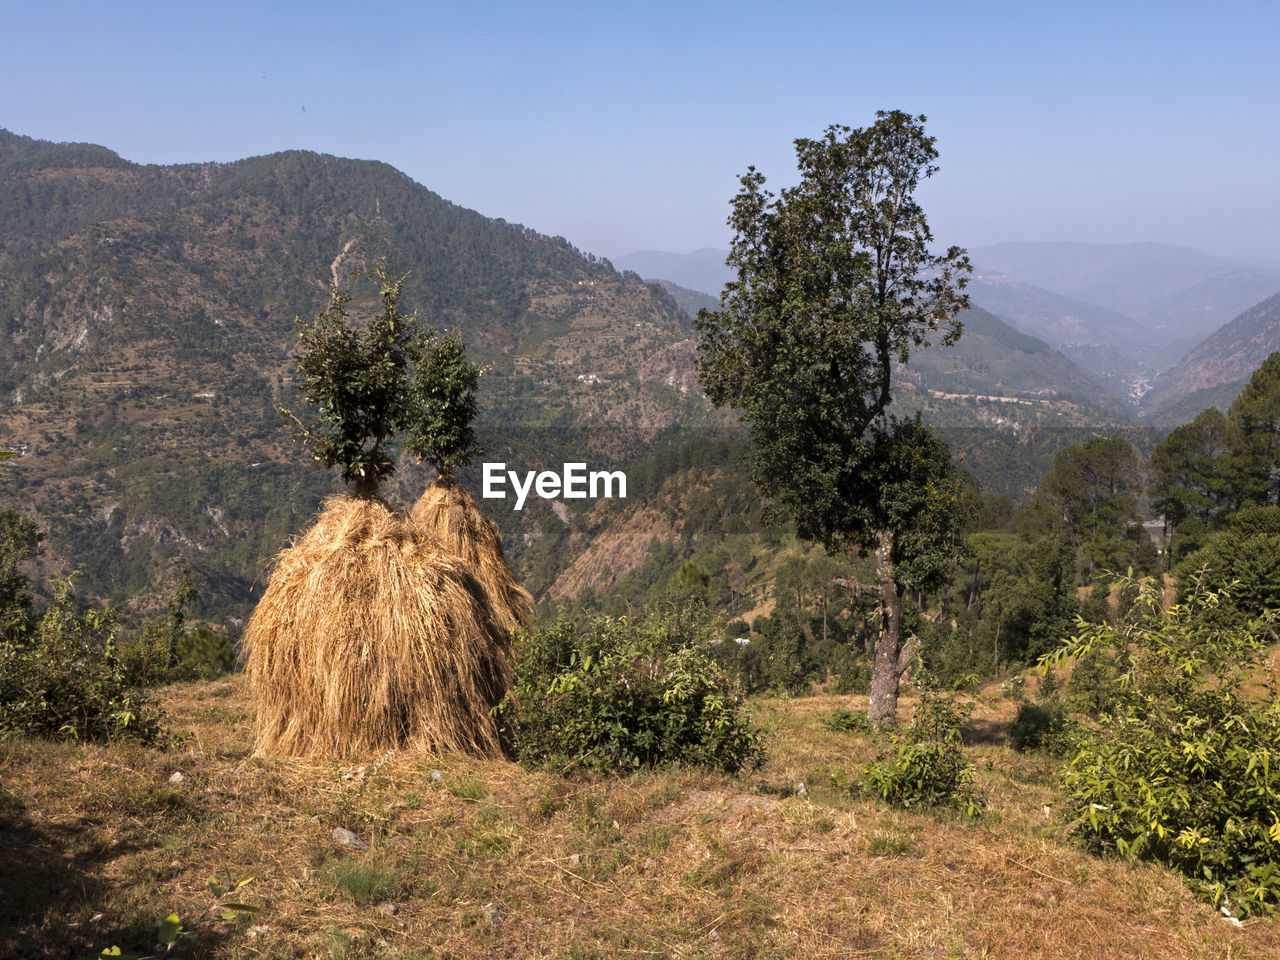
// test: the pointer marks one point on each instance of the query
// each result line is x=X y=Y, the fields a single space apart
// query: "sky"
x=625 y=126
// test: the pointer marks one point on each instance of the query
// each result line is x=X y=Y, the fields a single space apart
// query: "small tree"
x=374 y=384
x=836 y=284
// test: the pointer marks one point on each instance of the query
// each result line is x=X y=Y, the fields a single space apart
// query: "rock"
x=257 y=931
x=648 y=864
x=346 y=838
x=575 y=861
x=402 y=843
x=801 y=790
x=492 y=914
x=197 y=753
x=176 y=778
x=388 y=908
x=437 y=776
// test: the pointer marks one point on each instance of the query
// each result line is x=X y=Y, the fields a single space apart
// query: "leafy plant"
x=927 y=766
x=846 y=721
x=1185 y=769
x=62 y=678
x=1044 y=726
x=626 y=694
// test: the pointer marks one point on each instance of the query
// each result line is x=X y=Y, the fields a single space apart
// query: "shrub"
x=62 y=678
x=625 y=694
x=1186 y=767
x=846 y=721
x=1043 y=726
x=927 y=766
x=851 y=673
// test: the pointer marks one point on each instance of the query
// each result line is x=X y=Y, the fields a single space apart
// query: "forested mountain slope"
x=148 y=312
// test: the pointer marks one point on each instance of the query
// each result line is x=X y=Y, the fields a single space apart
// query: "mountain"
x=992 y=358
x=690 y=301
x=1099 y=340
x=703 y=270
x=147 y=315
x=1134 y=279
x=1217 y=370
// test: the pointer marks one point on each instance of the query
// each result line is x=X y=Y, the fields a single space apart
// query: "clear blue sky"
x=624 y=126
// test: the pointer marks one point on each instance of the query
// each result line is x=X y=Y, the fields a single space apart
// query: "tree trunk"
x=892 y=656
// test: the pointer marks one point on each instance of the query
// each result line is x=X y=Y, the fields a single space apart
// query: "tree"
x=371 y=385
x=19 y=538
x=1184 y=470
x=835 y=285
x=1252 y=467
x=1091 y=491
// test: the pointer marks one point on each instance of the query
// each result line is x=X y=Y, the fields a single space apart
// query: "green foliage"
x=374 y=384
x=1185 y=769
x=783 y=664
x=836 y=285
x=19 y=538
x=62 y=678
x=1241 y=560
x=1249 y=470
x=850 y=671
x=846 y=721
x=1185 y=477
x=623 y=695
x=690 y=583
x=1043 y=726
x=926 y=766
x=165 y=650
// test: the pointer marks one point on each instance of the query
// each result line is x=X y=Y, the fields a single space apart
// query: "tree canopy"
x=370 y=385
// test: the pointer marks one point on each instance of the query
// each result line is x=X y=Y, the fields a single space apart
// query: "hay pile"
x=452 y=516
x=373 y=634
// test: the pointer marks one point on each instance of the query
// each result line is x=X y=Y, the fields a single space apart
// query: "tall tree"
x=1185 y=478
x=1252 y=468
x=836 y=284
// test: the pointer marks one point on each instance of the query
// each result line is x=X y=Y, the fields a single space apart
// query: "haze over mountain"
x=1217 y=370
x=1126 y=313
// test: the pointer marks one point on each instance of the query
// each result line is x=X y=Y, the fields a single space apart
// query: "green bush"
x=623 y=695
x=1186 y=767
x=850 y=672
x=62 y=678
x=1043 y=726
x=846 y=721
x=927 y=766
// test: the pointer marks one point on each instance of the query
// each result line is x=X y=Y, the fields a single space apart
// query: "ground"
x=479 y=859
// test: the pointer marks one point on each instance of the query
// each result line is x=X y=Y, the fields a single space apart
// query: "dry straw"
x=373 y=634
x=452 y=516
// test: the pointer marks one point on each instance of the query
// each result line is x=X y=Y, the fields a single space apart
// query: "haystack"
x=370 y=636
x=452 y=516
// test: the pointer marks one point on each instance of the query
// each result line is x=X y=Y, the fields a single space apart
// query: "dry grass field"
x=480 y=859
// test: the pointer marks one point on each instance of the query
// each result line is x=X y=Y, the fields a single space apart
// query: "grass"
x=674 y=864
x=364 y=881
